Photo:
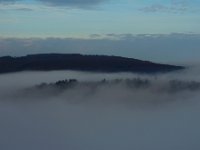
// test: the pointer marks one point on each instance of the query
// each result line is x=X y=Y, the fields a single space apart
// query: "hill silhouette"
x=93 y=63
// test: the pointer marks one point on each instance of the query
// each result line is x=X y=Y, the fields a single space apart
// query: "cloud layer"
x=110 y=118
x=78 y=3
x=72 y=2
x=161 y=48
x=175 y=6
x=3 y=1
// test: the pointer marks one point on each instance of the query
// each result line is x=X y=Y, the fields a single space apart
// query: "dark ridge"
x=92 y=63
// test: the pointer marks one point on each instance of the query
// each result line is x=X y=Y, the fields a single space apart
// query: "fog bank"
x=112 y=117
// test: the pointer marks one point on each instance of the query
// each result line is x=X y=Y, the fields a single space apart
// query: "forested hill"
x=92 y=63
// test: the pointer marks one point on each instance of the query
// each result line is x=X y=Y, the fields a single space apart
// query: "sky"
x=99 y=24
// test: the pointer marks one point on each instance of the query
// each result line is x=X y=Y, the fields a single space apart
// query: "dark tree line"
x=94 y=63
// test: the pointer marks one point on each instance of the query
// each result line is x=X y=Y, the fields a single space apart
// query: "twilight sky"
x=146 y=29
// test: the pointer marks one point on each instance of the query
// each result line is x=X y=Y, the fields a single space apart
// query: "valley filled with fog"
x=102 y=117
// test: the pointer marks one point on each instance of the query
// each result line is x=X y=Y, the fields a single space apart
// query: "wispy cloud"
x=175 y=6
x=24 y=7
x=71 y=3
x=8 y=1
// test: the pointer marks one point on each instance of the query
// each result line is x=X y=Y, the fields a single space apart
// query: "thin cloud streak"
x=73 y=3
x=156 y=47
x=175 y=6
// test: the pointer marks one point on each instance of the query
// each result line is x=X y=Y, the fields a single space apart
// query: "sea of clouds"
x=111 y=117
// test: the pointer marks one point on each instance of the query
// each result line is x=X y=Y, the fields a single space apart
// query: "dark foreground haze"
x=111 y=117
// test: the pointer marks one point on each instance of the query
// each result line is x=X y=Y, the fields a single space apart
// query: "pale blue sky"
x=75 y=19
x=114 y=27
